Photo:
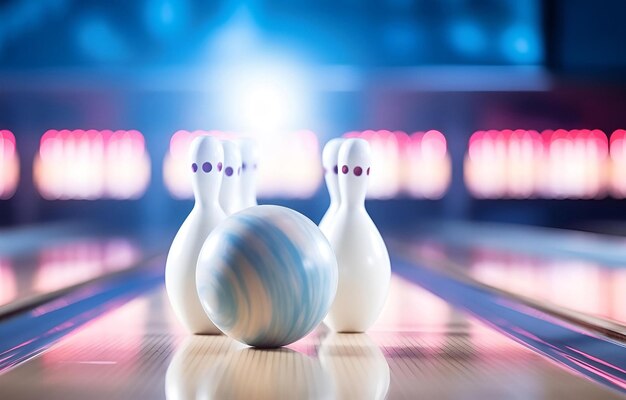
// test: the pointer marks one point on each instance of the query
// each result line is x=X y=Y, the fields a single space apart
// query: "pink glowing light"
x=91 y=164
x=418 y=164
x=576 y=164
x=9 y=165
x=427 y=165
x=618 y=163
x=524 y=163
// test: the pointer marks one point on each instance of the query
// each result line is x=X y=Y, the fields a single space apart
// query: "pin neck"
x=206 y=204
x=352 y=204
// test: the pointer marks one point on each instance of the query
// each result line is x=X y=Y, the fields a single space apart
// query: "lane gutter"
x=576 y=342
x=30 y=327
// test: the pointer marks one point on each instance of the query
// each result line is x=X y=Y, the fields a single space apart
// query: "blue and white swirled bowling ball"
x=266 y=276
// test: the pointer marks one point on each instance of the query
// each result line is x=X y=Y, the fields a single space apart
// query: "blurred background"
x=487 y=110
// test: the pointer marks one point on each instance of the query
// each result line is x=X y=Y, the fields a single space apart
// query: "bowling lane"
x=37 y=263
x=584 y=273
x=420 y=348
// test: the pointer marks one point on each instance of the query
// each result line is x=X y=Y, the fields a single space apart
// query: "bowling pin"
x=249 y=160
x=329 y=162
x=362 y=257
x=230 y=193
x=207 y=160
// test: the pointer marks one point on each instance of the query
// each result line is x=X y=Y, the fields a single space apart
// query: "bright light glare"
x=264 y=98
x=266 y=104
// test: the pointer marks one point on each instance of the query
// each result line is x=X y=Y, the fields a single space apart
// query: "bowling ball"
x=266 y=276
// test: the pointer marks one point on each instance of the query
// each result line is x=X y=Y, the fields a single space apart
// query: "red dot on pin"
x=358 y=171
x=344 y=169
x=219 y=166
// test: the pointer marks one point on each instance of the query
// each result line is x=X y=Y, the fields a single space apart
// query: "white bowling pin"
x=362 y=258
x=249 y=161
x=207 y=159
x=329 y=162
x=230 y=193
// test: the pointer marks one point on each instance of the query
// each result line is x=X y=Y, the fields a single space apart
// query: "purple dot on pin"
x=228 y=171
x=194 y=167
x=219 y=166
x=207 y=167
x=345 y=169
x=368 y=171
x=243 y=166
x=358 y=171
x=336 y=170
x=239 y=171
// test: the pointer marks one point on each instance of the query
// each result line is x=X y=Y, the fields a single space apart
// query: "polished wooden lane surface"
x=420 y=348
x=38 y=261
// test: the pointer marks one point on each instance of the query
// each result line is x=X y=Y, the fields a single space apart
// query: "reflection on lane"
x=194 y=363
x=139 y=351
x=8 y=284
x=356 y=365
x=59 y=266
x=214 y=367
x=75 y=262
x=579 y=285
x=427 y=311
x=85 y=352
x=575 y=284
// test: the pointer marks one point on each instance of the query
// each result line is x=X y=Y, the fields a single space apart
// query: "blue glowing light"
x=402 y=37
x=164 y=19
x=467 y=37
x=521 y=44
x=99 y=40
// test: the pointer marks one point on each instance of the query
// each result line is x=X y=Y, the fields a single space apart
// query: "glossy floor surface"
x=138 y=351
x=423 y=346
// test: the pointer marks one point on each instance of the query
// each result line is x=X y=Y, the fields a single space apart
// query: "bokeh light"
x=9 y=165
x=91 y=164
x=525 y=164
x=427 y=165
x=618 y=163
